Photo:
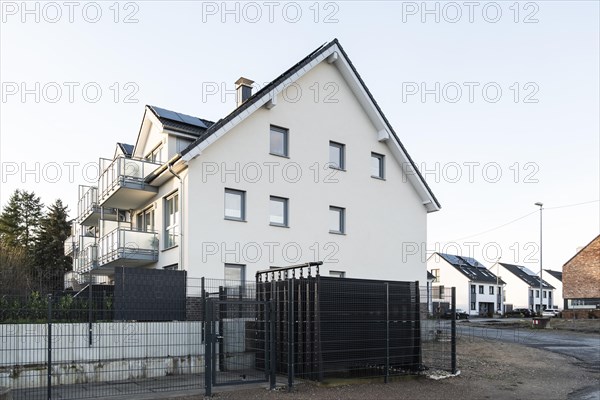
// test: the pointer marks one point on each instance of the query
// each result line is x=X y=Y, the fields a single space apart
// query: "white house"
x=523 y=287
x=555 y=279
x=478 y=290
x=289 y=176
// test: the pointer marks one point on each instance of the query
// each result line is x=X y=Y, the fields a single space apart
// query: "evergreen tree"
x=50 y=263
x=20 y=220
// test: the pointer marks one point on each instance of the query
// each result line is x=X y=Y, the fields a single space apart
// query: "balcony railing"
x=86 y=259
x=122 y=183
x=89 y=210
x=127 y=247
x=70 y=245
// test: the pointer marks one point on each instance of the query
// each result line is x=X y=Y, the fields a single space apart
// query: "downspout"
x=170 y=167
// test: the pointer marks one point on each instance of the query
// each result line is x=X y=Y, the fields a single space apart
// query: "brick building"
x=581 y=278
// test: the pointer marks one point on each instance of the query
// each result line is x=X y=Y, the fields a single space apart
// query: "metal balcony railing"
x=70 y=245
x=86 y=259
x=127 y=247
x=125 y=175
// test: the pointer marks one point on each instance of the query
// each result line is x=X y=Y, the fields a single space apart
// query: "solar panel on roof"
x=452 y=259
x=471 y=261
x=192 y=121
x=167 y=114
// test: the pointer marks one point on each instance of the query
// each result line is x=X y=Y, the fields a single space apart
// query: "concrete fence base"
x=94 y=372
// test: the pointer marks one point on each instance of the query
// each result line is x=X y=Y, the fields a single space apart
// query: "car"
x=460 y=314
x=520 y=313
x=550 y=312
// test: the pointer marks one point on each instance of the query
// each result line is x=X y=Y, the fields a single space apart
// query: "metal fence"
x=291 y=323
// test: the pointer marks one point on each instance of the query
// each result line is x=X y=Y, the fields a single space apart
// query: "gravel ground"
x=489 y=370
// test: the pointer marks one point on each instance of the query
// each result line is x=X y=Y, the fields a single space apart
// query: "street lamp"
x=540 y=205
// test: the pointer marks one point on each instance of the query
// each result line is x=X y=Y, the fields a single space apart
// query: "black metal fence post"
x=49 y=347
x=453 y=333
x=290 y=338
x=273 y=346
x=208 y=343
x=387 y=332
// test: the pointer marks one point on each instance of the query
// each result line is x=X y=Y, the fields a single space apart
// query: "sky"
x=497 y=102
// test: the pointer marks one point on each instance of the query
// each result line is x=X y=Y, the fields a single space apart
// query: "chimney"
x=243 y=88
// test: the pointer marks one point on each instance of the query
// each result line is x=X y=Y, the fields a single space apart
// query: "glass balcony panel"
x=127 y=247
x=122 y=182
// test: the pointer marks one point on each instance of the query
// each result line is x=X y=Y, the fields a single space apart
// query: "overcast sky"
x=497 y=102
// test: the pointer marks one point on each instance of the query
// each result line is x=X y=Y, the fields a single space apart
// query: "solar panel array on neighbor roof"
x=175 y=116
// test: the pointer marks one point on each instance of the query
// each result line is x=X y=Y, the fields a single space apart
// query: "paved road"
x=583 y=347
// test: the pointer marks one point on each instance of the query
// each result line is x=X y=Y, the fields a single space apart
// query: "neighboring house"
x=288 y=176
x=581 y=277
x=523 y=287
x=478 y=290
x=555 y=279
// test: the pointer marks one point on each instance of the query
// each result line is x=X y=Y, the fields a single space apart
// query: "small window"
x=472 y=289
x=491 y=290
x=337 y=158
x=337 y=274
x=549 y=295
x=337 y=220
x=145 y=220
x=279 y=142
x=481 y=289
x=235 y=276
x=171 y=220
x=441 y=291
x=278 y=211
x=472 y=305
x=377 y=166
x=155 y=155
x=537 y=294
x=235 y=205
x=234 y=273
x=436 y=274
x=545 y=294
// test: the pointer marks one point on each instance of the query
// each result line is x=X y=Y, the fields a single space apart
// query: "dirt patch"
x=489 y=370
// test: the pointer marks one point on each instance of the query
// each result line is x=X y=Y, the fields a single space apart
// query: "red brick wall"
x=581 y=274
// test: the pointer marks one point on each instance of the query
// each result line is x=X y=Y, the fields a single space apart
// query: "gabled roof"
x=580 y=251
x=127 y=149
x=179 y=122
x=471 y=268
x=330 y=51
x=555 y=274
x=526 y=276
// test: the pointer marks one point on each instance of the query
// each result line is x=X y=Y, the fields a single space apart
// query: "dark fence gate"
x=239 y=343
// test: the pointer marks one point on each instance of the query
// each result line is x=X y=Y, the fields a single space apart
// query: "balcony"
x=70 y=246
x=122 y=183
x=86 y=259
x=88 y=210
x=127 y=248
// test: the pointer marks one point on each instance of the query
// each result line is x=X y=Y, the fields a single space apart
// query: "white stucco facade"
x=382 y=217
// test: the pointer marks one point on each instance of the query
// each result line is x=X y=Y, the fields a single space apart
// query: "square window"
x=278 y=211
x=472 y=305
x=278 y=141
x=337 y=274
x=480 y=289
x=337 y=158
x=235 y=276
x=235 y=204
x=377 y=165
x=337 y=219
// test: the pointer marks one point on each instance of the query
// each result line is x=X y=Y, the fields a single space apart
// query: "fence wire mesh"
x=97 y=342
